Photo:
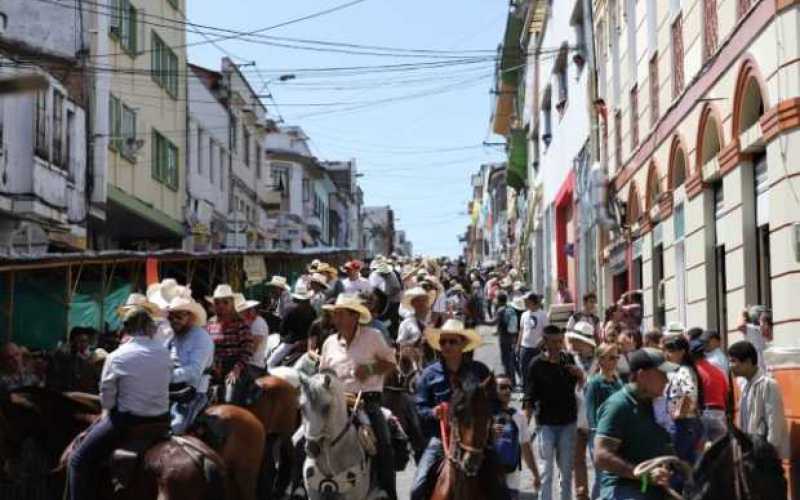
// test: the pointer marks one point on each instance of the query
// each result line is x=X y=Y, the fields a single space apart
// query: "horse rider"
x=361 y=357
x=259 y=329
x=435 y=388
x=192 y=352
x=233 y=345
x=354 y=282
x=386 y=283
x=295 y=325
x=416 y=304
x=278 y=296
x=134 y=390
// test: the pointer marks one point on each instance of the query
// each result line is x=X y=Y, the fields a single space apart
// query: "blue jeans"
x=97 y=445
x=557 y=445
x=182 y=415
x=431 y=457
x=508 y=344
x=687 y=433
x=630 y=492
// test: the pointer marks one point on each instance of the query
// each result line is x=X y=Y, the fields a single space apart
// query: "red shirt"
x=715 y=384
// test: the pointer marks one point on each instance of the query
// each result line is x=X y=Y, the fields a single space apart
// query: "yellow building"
x=139 y=60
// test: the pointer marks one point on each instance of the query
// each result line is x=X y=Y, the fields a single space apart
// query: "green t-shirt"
x=632 y=422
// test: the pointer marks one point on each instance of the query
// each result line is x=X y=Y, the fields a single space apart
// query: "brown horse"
x=467 y=471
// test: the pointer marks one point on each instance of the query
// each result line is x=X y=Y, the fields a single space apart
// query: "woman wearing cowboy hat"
x=435 y=386
x=192 y=352
x=361 y=358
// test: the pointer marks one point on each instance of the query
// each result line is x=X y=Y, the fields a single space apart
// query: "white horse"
x=337 y=465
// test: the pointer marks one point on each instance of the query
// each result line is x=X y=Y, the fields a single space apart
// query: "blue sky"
x=417 y=150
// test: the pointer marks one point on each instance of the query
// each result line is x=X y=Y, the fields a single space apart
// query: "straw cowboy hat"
x=350 y=302
x=319 y=279
x=453 y=327
x=161 y=294
x=414 y=293
x=582 y=331
x=327 y=270
x=302 y=291
x=280 y=282
x=137 y=302
x=240 y=303
x=187 y=304
x=222 y=292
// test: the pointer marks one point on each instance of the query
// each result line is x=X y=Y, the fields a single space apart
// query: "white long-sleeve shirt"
x=135 y=378
x=192 y=354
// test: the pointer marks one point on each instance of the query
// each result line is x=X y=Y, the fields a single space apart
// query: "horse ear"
x=489 y=381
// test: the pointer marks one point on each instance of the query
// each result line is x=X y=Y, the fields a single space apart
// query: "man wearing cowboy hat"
x=260 y=331
x=435 y=387
x=192 y=352
x=134 y=390
x=279 y=297
x=233 y=344
x=361 y=357
x=385 y=282
x=354 y=282
x=295 y=325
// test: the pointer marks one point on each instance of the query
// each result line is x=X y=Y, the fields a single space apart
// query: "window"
x=630 y=28
x=763 y=254
x=680 y=259
x=580 y=36
x=306 y=189
x=659 y=308
x=258 y=161
x=742 y=7
x=164 y=64
x=175 y=3
x=602 y=59
x=58 y=128
x=40 y=125
x=618 y=138
x=164 y=161
x=654 y=87
x=114 y=122
x=211 y=157
x=613 y=37
x=652 y=26
x=246 y=145
x=234 y=135
x=560 y=73
x=70 y=139
x=710 y=29
x=124 y=25
x=128 y=134
x=547 y=117
x=677 y=56
x=634 y=117
x=280 y=178
x=221 y=168
x=200 y=155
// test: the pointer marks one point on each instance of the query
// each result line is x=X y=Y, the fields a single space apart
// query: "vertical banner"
x=151 y=270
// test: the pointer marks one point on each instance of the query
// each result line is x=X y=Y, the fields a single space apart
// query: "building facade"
x=378 y=231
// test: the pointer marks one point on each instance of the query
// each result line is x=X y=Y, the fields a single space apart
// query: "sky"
x=415 y=131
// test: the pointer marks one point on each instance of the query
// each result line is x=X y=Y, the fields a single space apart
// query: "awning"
x=564 y=195
x=517 y=174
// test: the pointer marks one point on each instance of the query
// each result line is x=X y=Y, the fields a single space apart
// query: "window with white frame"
x=679 y=224
x=58 y=128
x=613 y=40
x=630 y=29
x=200 y=155
x=40 y=125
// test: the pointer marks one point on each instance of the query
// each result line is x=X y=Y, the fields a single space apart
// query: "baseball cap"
x=697 y=346
x=647 y=358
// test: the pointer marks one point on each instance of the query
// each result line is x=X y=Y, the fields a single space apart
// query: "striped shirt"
x=233 y=344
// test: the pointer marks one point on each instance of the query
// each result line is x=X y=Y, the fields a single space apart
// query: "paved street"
x=489 y=354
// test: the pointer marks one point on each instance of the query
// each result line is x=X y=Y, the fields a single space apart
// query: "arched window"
x=677 y=164
x=634 y=210
x=653 y=187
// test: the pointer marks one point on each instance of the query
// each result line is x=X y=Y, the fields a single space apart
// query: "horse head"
x=322 y=403
x=470 y=424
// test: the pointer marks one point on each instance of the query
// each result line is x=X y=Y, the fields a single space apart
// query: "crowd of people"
x=593 y=390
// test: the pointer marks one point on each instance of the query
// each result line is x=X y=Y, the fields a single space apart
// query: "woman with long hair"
x=684 y=395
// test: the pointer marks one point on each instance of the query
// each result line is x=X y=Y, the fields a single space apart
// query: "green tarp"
x=517 y=174
x=91 y=309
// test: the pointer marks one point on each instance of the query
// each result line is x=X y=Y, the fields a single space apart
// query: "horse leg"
x=266 y=480
x=286 y=463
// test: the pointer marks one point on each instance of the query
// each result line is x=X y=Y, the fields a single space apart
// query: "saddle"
x=125 y=459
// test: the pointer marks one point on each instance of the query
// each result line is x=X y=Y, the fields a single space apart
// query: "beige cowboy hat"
x=327 y=270
x=414 y=293
x=453 y=327
x=240 y=303
x=302 y=291
x=189 y=305
x=222 y=292
x=582 y=331
x=137 y=302
x=161 y=294
x=319 y=279
x=280 y=282
x=350 y=302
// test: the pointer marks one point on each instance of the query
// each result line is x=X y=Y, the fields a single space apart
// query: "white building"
x=350 y=201
x=43 y=198
x=378 y=231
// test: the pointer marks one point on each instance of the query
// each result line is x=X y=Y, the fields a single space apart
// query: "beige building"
x=140 y=123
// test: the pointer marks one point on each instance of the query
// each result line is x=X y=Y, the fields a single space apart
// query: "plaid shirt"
x=233 y=344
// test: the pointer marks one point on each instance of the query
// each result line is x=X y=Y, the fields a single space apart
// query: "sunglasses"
x=450 y=341
x=504 y=387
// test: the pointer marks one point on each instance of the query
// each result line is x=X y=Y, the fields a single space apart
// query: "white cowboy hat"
x=351 y=302
x=456 y=288
x=414 y=293
x=242 y=304
x=582 y=331
x=408 y=336
x=319 y=279
x=302 y=291
x=136 y=302
x=222 y=292
x=280 y=282
x=453 y=327
x=161 y=294
x=674 y=329
x=519 y=303
x=189 y=305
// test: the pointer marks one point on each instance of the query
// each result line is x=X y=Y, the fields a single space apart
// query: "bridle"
x=318 y=439
x=461 y=455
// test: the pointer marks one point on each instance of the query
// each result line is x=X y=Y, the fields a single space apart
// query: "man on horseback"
x=134 y=390
x=233 y=345
x=435 y=388
x=192 y=352
x=295 y=325
x=361 y=357
x=628 y=434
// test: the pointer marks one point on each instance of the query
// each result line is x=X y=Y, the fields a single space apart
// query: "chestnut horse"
x=467 y=472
